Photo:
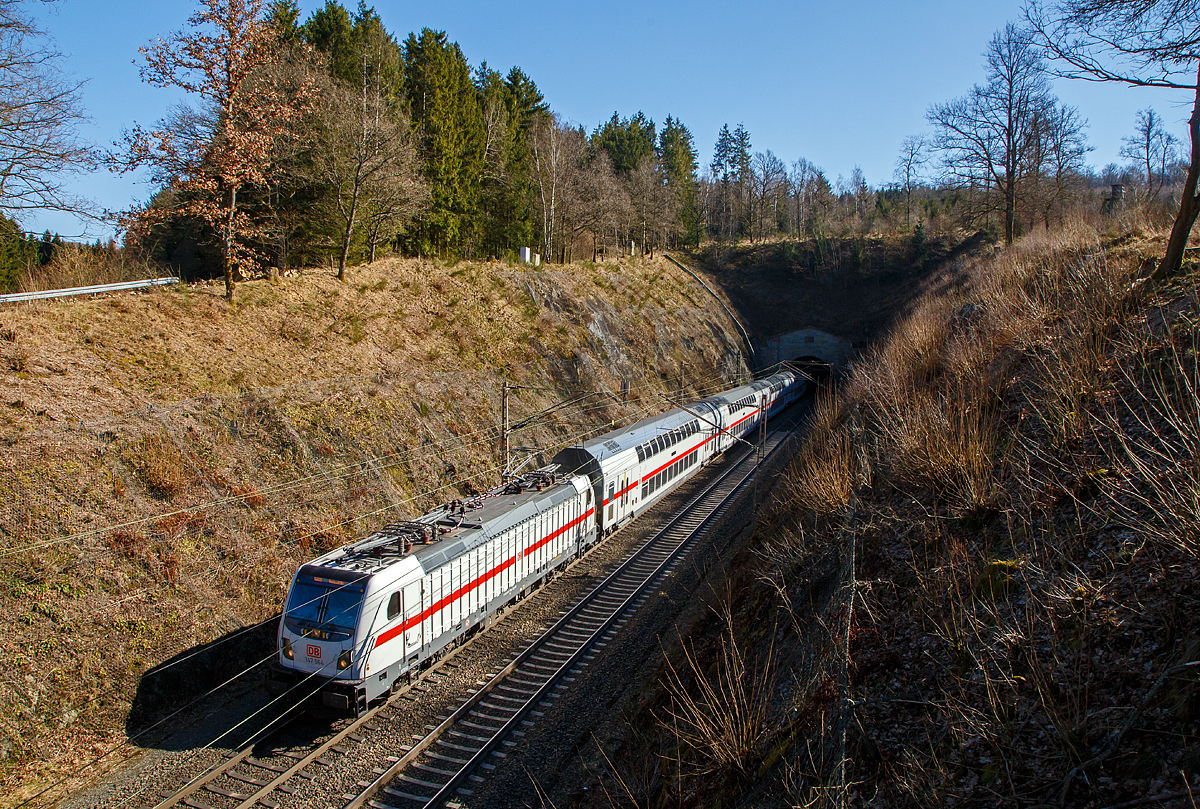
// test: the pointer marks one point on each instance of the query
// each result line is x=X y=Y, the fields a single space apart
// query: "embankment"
x=168 y=459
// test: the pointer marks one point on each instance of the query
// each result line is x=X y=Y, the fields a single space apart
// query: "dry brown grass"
x=825 y=474
x=75 y=266
x=1157 y=427
x=945 y=440
x=913 y=355
x=156 y=459
x=719 y=713
x=1017 y=465
x=830 y=466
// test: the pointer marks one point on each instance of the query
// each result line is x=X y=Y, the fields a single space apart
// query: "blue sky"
x=841 y=84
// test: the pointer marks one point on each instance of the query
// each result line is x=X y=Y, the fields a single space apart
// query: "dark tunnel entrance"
x=819 y=371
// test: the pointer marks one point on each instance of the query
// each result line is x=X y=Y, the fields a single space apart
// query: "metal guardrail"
x=19 y=297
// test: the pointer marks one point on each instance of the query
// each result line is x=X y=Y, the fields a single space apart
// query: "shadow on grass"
x=214 y=691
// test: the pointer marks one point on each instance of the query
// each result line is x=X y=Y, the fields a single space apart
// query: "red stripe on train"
x=693 y=449
x=442 y=603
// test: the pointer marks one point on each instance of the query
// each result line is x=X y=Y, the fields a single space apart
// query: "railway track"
x=265 y=770
x=436 y=771
x=437 y=768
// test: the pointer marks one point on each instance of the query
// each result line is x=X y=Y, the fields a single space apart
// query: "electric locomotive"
x=359 y=620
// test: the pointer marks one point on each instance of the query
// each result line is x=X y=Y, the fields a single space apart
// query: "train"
x=362 y=619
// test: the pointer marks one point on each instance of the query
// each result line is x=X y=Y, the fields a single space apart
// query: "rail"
x=252 y=783
x=573 y=636
x=21 y=297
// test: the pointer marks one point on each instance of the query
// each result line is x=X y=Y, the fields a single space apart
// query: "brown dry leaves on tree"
x=208 y=155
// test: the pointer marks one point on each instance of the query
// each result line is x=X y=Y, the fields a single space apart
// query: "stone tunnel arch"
x=828 y=355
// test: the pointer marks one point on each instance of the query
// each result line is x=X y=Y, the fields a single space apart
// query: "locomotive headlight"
x=344 y=660
x=287 y=649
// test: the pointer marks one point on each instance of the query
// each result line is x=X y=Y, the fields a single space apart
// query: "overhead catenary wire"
x=488 y=471
x=356 y=518
x=554 y=408
x=212 y=742
x=256 y=713
x=352 y=520
x=485 y=436
x=195 y=751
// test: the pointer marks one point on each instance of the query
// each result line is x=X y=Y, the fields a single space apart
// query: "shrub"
x=157 y=461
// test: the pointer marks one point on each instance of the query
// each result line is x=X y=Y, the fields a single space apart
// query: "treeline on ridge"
x=380 y=144
x=328 y=140
x=403 y=146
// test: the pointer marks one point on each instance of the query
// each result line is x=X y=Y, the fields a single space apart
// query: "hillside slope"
x=168 y=459
x=979 y=586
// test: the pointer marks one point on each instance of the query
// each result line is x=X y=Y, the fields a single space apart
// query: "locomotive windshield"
x=323 y=609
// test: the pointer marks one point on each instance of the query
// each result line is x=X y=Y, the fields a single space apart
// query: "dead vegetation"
x=718 y=713
x=79 y=266
x=1014 y=475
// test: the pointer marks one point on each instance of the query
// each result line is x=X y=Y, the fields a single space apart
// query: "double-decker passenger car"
x=631 y=468
x=634 y=467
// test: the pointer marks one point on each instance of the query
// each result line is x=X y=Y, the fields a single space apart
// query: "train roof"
x=737 y=394
x=742 y=391
x=611 y=444
x=627 y=438
x=454 y=528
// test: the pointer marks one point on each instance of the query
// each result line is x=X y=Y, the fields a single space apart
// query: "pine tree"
x=526 y=107
x=627 y=141
x=377 y=55
x=283 y=17
x=742 y=180
x=720 y=167
x=451 y=140
x=330 y=30
x=16 y=255
x=723 y=168
x=678 y=157
x=45 y=249
x=511 y=106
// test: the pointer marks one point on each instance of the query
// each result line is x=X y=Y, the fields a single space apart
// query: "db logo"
x=314 y=651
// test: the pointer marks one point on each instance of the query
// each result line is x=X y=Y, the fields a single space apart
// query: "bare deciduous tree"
x=984 y=137
x=804 y=181
x=1056 y=159
x=768 y=185
x=1153 y=148
x=580 y=194
x=1139 y=43
x=40 y=110
x=597 y=201
x=556 y=152
x=652 y=205
x=913 y=156
x=368 y=163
